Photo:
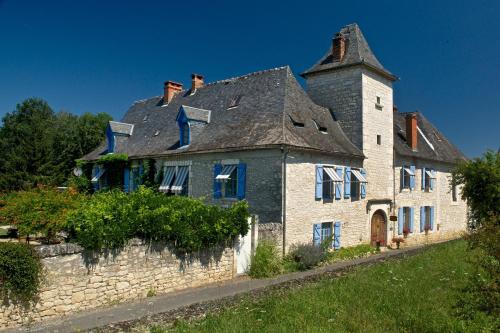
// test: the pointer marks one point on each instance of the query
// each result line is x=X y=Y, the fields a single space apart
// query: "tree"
x=40 y=146
x=480 y=179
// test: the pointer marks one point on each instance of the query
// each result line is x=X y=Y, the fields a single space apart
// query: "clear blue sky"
x=100 y=56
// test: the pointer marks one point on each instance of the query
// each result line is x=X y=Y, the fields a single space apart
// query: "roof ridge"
x=248 y=74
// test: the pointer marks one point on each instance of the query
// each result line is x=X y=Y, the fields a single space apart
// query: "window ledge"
x=379 y=106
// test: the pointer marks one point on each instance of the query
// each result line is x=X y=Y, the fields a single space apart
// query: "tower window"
x=379 y=140
x=378 y=99
x=378 y=104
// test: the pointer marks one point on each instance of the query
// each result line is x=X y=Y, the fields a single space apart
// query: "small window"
x=296 y=123
x=235 y=101
x=378 y=104
x=454 y=195
x=378 y=99
x=379 y=140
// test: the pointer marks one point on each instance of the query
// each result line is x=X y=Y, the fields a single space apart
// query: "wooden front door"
x=379 y=229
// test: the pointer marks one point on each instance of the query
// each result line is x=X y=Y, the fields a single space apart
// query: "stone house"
x=335 y=160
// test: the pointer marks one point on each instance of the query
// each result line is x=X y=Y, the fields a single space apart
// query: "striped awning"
x=99 y=172
x=429 y=173
x=168 y=176
x=226 y=172
x=408 y=171
x=332 y=174
x=180 y=178
x=358 y=176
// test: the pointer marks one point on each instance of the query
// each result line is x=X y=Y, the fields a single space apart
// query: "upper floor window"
x=408 y=177
x=379 y=139
x=378 y=103
x=328 y=182
x=428 y=179
x=358 y=184
x=230 y=181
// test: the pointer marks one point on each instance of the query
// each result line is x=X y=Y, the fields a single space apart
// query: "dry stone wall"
x=75 y=280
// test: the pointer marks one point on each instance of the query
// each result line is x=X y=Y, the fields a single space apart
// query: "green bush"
x=38 y=211
x=110 y=219
x=306 y=256
x=348 y=253
x=266 y=262
x=20 y=272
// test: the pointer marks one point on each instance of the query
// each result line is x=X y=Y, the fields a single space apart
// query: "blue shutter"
x=363 y=185
x=317 y=234
x=336 y=235
x=347 y=183
x=141 y=173
x=338 y=185
x=319 y=181
x=126 y=180
x=217 y=184
x=111 y=139
x=400 y=221
x=433 y=179
x=402 y=177
x=422 y=219
x=431 y=217
x=412 y=178
x=242 y=175
x=412 y=213
x=423 y=179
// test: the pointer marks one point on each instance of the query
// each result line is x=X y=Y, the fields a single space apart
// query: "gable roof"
x=357 y=52
x=260 y=120
x=431 y=144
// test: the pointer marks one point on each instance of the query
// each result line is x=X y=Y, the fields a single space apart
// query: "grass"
x=415 y=294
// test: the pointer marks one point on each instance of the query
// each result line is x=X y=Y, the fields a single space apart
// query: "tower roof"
x=357 y=52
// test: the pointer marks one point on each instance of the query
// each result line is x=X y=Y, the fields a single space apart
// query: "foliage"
x=110 y=219
x=352 y=252
x=112 y=158
x=266 y=262
x=306 y=256
x=81 y=184
x=480 y=180
x=114 y=164
x=40 y=210
x=20 y=273
x=40 y=146
x=414 y=294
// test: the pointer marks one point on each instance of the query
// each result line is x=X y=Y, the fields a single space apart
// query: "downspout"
x=284 y=154
x=393 y=191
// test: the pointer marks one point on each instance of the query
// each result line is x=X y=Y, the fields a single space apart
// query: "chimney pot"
x=338 y=47
x=411 y=130
x=196 y=81
x=170 y=89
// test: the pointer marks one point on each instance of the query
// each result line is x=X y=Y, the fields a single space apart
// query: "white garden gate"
x=244 y=247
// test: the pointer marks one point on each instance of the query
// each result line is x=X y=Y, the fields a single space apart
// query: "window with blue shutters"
x=405 y=220
x=230 y=181
x=426 y=218
x=324 y=232
x=408 y=177
x=428 y=179
x=337 y=227
x=347 y=182
x=358 y=184
x=338 y=184
x=328 y=182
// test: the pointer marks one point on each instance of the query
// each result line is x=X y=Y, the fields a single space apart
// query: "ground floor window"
x=175 y=180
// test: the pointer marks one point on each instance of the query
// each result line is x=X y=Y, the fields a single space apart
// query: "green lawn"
x=416 y=294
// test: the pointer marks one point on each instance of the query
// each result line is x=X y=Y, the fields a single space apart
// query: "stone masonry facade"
x=75 y=281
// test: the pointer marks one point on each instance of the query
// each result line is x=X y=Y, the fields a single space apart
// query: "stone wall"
x=75 y=280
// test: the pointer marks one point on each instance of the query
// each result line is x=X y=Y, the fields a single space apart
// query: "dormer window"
x=186 y=118
x=116 y=129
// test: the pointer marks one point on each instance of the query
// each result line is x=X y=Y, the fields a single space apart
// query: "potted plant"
x=406 y=232
x=427 y=228
x=398 y=241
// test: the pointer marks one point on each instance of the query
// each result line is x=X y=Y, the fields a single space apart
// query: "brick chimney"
x=338 y=47
x=170 y=89
x=196 y=81
x=411 y=130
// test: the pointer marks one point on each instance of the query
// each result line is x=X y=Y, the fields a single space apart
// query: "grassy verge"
x=415 y=294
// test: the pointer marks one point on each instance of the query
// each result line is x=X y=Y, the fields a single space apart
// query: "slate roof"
x=266 y=100
x=197 y=114
x=121 y=128
x=357 y=52
x=444 y=150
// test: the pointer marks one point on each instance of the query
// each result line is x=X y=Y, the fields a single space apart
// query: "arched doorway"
x=379 y=228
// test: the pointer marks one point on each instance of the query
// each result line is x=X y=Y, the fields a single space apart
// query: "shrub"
x=20 y=272
x=41 y=210
x=306 y=256
x=266 y=262
x=110 y=219
x=353 y=252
